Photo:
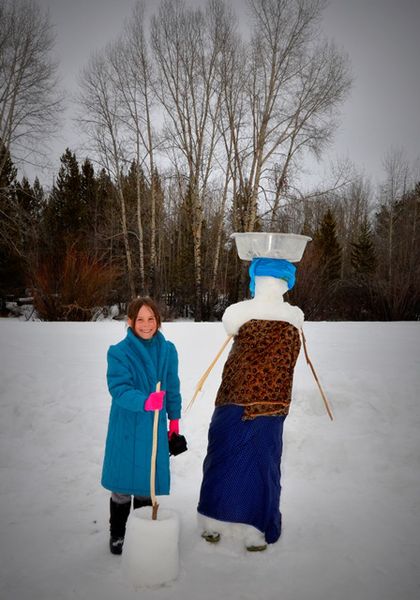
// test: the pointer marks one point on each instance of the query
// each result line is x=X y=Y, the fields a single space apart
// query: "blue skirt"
x=241 y=471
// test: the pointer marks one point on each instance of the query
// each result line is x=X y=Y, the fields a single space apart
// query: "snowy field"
x=351 y=488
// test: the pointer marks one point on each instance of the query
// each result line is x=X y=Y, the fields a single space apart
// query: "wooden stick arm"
x=203 y=378
x=308 y=360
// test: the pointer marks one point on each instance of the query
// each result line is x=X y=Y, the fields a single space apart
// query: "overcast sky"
x=381 y=38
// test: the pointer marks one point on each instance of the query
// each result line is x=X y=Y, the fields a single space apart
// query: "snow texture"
x=351 y=487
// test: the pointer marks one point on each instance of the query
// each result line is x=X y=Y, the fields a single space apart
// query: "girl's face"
x=145 y=325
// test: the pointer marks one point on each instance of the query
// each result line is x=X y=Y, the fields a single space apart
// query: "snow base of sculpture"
x=150 y=555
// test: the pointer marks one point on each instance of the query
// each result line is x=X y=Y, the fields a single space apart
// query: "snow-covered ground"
x=351 y=488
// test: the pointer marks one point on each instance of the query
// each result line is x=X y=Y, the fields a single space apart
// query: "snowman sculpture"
x=240 y=491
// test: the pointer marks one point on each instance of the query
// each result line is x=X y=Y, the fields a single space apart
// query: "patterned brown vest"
x=258 y=373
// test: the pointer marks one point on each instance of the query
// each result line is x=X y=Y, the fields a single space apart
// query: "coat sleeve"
x=173 y=395
x=121 y=385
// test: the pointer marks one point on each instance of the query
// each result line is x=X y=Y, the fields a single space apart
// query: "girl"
x=135 y=366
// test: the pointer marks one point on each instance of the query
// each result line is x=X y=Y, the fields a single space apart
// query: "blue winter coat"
x=134 y=369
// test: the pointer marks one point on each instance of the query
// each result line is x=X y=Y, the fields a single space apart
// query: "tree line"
x=67 y=247
x=196 y=129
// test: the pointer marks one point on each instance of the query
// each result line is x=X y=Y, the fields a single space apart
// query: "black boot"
x=140 y=502
x=117 y=521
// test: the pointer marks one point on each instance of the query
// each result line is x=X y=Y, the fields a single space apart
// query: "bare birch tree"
x=133 y=72
x=187 y=44
x=352 y=209
x=102 y=122
x=396 y=184
x=29 y=101
x=293 y=84
x=397 y=238
x=142 y=67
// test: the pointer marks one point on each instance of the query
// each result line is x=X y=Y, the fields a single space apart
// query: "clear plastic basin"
x=288 y=246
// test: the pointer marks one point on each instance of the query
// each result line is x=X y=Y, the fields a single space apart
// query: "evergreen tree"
x=9 y=171
x=67 y=206
x=363 y=257
x=8 y=207
x=397 y=229
x=38 y=193
x=64 y=216
x=26 y=216
x=330 y=250
x=91 y=206
x=11 y=254
x=182 y=276
x=108 y=224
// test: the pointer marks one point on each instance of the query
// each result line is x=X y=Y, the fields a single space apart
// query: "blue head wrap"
x=271 y=267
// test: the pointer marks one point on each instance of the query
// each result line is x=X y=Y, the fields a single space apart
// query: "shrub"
x=74 y=289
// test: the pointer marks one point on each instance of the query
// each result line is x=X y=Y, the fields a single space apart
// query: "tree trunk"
x=128 y=258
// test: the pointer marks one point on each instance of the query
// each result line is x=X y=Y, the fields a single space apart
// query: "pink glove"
x=154 y=401
x=173 y=427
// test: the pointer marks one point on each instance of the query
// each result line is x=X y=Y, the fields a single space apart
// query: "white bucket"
x=150 y=554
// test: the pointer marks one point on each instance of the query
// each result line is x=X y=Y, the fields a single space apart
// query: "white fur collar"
x=268 y=304
x=275 y=310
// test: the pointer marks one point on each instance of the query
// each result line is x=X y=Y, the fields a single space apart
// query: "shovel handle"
x=155 y=505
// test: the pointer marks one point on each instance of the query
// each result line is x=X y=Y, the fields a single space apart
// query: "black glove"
x=177 y=444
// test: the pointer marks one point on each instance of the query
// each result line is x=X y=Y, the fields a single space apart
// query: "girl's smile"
x=145 y=325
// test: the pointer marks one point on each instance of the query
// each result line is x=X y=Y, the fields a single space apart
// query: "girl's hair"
x=136 y=304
